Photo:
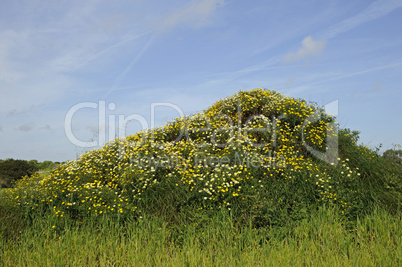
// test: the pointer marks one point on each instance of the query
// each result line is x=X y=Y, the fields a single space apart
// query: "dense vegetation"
x=12 y=170
x=394 y=155
x=46 y=165
x=255 y=168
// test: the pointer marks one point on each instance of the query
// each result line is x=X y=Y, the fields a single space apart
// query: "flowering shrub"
x=246 y=153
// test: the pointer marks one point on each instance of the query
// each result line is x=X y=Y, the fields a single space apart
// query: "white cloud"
x=309 y=48
x=196 y=14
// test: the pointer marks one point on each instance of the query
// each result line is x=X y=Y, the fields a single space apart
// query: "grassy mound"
x=267 y=158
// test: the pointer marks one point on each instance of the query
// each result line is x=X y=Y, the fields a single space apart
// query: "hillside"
x=265 y=157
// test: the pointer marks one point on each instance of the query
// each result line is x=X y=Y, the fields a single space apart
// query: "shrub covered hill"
x=264 y=157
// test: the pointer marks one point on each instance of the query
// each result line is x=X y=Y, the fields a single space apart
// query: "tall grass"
x=324 y=239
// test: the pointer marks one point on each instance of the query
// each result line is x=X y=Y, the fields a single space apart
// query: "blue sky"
x=55 y=55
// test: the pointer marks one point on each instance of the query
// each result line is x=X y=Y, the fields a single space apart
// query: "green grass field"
x=324 y=239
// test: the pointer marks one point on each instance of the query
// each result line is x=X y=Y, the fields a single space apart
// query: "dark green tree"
x=12 y=170
x=33 y=162
x=393 y=155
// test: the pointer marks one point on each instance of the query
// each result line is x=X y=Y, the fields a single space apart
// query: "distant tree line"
x=46 y=165
x=11 y=170
x=393 y=155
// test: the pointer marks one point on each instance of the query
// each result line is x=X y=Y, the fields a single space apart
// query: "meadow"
x=245 y=182
x=324 y=239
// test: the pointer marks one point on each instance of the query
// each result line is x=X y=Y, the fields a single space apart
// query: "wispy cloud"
x=268 y=64
x=103 y=51
x=46 y=127
x=309 y=48
x=25 y=127
x=15 y=112
x=289 y=82
x=352 y=74
x=29 y=50
x=377 y=87
x=196 y=14
x=187 y=52
x=324 y=78
x=129 y=66
x=373 y=11
x=43 y=52
x=8 y=38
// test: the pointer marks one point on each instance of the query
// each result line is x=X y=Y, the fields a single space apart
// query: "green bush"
x=12 y=170
x=246 y=154
x=393 y=155
x=46 y=165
